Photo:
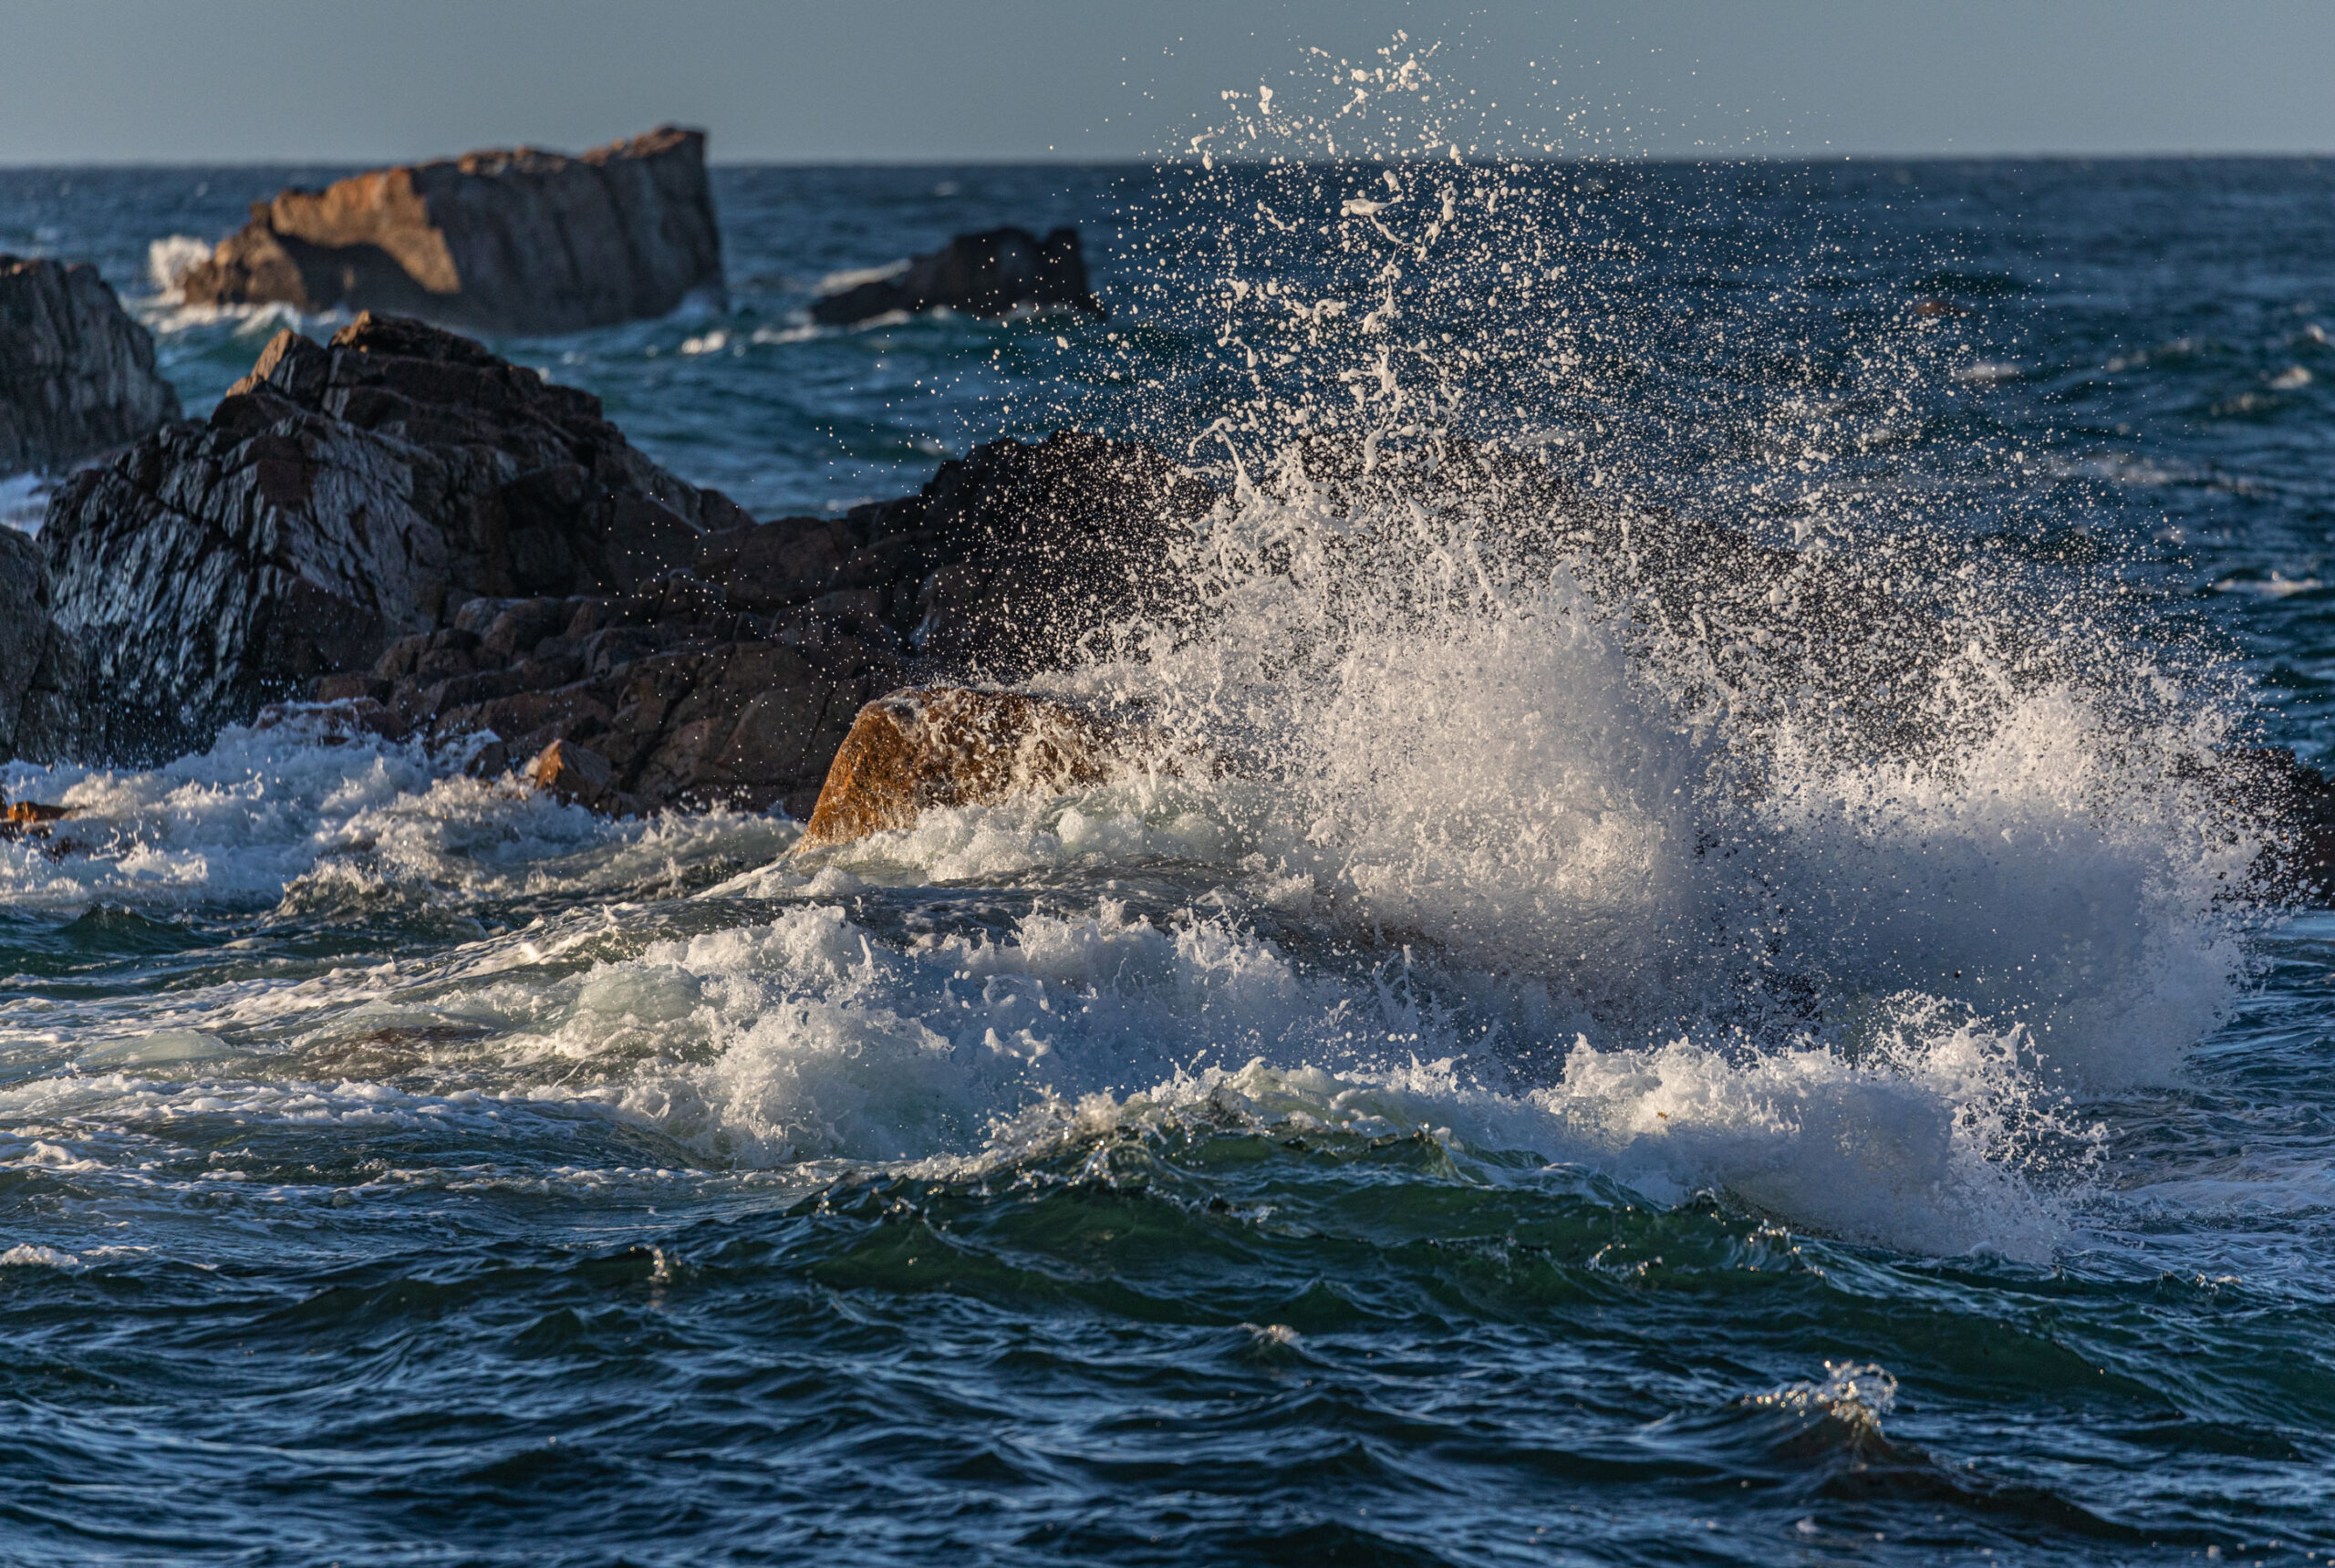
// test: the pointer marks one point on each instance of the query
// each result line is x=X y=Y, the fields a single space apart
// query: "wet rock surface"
x=341 y=497
x=920 y=748
x=986 y=273
x=733 y=680
x=76 y=374
x=41 y=676
x=508 y=241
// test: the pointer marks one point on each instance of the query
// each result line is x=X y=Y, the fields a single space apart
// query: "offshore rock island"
x=508 y=240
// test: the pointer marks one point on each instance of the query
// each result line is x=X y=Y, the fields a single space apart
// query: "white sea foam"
x=1565 y=886
x=169 y=260
x=836 y=282
x=296 y=817
x=806 y=1039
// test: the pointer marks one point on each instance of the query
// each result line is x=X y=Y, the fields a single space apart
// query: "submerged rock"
x=578 y=774
x=917 y=750
x=987 y=273
x=76 y=374
x=30 y=819
x=340 y=498
x=516 y=241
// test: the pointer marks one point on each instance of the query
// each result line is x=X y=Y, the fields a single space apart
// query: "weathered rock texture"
x=734 y=680
x=76 y=374
x=41 y=678
x=986 y=273
x=517 y=241
x=916 y=749
x=340 y=498
x=1003 y=565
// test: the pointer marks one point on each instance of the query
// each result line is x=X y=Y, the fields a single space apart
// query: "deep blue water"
x=399 y=1169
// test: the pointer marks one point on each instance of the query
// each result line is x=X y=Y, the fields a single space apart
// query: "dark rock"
x=43 y=701
x=2298 y=865
x=1008 y=561
x=76 y=374
x=735 y=682
x=987 y=273
x=516 y=241
x=24 y=628
x=342 y=498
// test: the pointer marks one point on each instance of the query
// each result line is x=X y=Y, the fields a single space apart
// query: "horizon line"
x=1165 y=159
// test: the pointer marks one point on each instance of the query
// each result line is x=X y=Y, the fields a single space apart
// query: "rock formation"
x=76 y=374
x=444 y=545
x=517 y=241
x=41 y=677
x=916 y=749
x=1007 y=561
x=340 y=498
x=986 y=273
x=735 y=679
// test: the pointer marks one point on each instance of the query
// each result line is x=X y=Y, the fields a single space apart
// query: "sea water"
x=1598 y=1074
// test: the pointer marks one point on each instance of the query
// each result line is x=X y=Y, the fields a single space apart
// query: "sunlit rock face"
x=508 y=241
x=951 y=745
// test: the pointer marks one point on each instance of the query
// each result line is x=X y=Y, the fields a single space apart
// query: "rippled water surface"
x=1565 y=1097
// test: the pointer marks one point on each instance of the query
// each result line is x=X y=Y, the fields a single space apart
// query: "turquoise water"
x=1532 y=1116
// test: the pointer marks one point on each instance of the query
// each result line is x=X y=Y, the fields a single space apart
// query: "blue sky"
x=331 y=80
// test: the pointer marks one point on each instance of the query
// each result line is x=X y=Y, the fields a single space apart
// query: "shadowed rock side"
x=41 y=677
x=987 y=273
x=735 y=680
x=945 y=746
x=340 y=498
x=76 y=374
x=517 y=241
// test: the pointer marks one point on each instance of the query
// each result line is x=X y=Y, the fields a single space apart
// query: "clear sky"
x=788 y=80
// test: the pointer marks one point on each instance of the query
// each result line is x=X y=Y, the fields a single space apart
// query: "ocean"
x=1596 y=1077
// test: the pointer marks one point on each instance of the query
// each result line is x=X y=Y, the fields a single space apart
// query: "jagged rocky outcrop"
x=735 y=679
x=341 y=497
x=987 y=273
x=76 y=374
x=41 y=677
x=513 y=241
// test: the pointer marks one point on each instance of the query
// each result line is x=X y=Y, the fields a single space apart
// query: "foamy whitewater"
x=1710 y=1000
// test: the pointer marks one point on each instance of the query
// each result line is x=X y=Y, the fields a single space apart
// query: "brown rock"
x=735 y=681
x=76 y=374
x=579 y=775
x=951 y=745
x=515 y=241
x=30 y=819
